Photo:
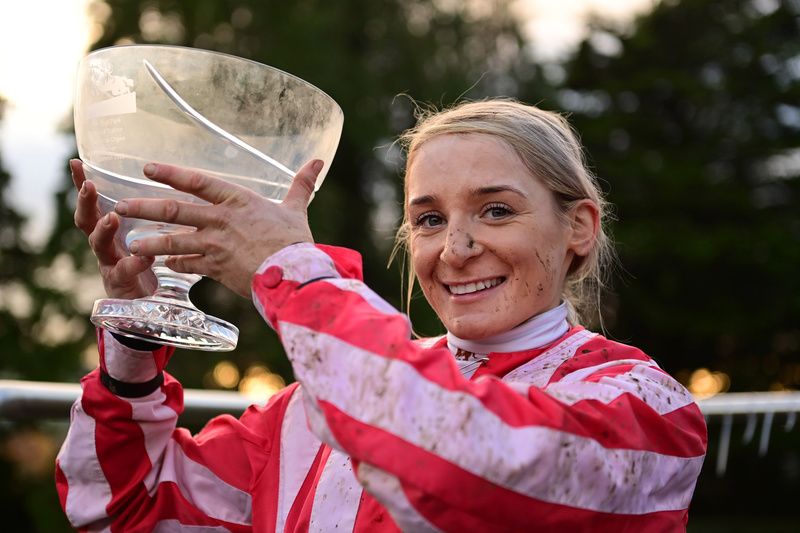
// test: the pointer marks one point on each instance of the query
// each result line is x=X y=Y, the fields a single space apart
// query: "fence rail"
x=31 y=400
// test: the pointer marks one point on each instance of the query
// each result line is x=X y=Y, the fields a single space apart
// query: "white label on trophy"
x=118 y=105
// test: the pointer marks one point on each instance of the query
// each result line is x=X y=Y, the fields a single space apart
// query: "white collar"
x=535 y=332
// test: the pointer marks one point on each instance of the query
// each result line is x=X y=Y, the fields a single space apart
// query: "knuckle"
x=196 y=180
x=171 y=210
x=168 y=241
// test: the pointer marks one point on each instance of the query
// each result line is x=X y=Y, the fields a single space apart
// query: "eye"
x=430 y=219
x=497 y=211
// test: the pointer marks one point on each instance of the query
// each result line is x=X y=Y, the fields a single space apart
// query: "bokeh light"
x=704 y=383
x=259 y=383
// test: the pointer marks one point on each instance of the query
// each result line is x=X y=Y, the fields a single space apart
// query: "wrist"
x=127 y=364
x=131 y=390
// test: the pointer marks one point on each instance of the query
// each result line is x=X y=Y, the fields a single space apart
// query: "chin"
x=474 y=331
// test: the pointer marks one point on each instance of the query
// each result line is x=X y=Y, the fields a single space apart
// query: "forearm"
x=124 y=462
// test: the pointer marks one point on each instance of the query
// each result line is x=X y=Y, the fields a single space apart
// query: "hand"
x=236 y=231
x=123 y=276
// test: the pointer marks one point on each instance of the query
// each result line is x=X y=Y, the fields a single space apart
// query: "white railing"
x=27 y=400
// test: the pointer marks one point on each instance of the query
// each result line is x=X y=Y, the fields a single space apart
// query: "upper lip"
x=474 y=280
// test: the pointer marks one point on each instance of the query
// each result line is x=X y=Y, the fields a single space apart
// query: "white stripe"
x=583 y=373
x=538 y=371
x=127 y=364
x=368 y=295
x=539 y=462
x=298 y=448
x=200 y=486
x=388 y=491
x=174 y=526
x=653 y=387
x=157 y=421
x=336 y=496
x=89 y=491
x=300 y=262
x=429 y=342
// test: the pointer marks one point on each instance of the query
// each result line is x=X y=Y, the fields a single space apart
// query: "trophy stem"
x=173 y=287
x=167 y=317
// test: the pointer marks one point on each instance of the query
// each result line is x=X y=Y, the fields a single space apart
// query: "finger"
x=302 y=187
x=188 y=264
x=125 y=273
x=192 y=181
x=101 y=239
x=87 y=212
x=78 y=177
x=170 y=244
x=170 y=211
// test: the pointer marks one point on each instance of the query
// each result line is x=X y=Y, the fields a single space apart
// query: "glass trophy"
x=225 y=116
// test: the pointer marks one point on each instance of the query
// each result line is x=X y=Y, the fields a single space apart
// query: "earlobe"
x=585 y=226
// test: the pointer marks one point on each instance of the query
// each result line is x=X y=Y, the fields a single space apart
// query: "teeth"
x=468 y=288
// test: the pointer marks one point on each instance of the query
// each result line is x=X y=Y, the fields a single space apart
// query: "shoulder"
x=599 y=352
x=431 y=342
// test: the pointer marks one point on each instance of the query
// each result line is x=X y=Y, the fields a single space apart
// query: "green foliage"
x=692 y=122
x=364 y=53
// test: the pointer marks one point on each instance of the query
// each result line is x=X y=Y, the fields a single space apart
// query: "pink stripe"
x=127 y=364
x=202 y=488
x=538 y=371
x=336 y=496
x=387 y=489
x=652 y=386
x=300 y=262
x=89 y=492
x=298 y=448
x=540 y=462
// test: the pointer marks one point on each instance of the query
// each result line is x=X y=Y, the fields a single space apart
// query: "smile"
x=468 y=288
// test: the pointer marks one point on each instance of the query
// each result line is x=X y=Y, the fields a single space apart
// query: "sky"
x=37 y=77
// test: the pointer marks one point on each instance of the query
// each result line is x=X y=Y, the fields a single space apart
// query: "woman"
x=518 y=419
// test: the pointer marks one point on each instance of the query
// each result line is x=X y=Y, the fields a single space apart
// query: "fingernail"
x=122 y=208
x=82 y=192
x=317 y=166
x=149 y=170
x=107 y=220
x=134 y=247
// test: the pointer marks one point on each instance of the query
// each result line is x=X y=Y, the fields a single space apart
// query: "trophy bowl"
x=225 y=116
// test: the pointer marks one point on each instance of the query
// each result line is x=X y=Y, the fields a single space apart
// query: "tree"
x=364 y=54
x=691 y=120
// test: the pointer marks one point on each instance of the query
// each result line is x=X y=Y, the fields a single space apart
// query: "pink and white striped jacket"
x=382 y=432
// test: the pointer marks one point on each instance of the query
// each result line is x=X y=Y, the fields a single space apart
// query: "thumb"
x=302 y=188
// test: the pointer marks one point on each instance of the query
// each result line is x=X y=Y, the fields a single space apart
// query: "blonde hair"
x=549 y=148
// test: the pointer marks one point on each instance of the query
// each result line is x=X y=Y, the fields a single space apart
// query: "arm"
x=609 y=444
x=124 y=464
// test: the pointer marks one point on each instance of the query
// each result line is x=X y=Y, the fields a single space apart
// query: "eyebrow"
x=480 y=191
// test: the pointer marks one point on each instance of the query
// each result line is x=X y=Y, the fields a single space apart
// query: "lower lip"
x=473 y=296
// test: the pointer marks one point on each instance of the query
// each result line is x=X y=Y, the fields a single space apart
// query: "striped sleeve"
x=618 y=445
x=124 y=465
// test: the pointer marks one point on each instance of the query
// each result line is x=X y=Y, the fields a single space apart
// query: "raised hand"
x=124 y=275
x=236 y=231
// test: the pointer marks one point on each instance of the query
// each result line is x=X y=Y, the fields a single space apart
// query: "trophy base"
x=163 y=321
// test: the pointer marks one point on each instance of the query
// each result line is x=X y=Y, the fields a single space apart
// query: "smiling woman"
x=517 y=419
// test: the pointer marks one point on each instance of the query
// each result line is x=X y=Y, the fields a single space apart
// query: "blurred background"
x=689 y=111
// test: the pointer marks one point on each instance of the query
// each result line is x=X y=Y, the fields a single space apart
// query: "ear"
x=584 y=219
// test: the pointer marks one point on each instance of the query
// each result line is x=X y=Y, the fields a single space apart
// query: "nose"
x=460 y=246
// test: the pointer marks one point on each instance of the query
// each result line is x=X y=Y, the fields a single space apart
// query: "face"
x=486 y=242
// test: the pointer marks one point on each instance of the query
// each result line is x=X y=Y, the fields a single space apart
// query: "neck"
x=535 y=332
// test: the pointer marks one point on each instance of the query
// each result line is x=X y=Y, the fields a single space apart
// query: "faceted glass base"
x=164 y=322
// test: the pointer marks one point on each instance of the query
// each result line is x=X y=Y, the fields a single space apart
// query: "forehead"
x=457 y=163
